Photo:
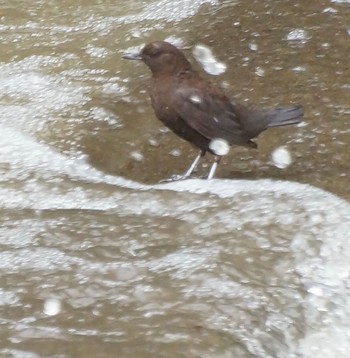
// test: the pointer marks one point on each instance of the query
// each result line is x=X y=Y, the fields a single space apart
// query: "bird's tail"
x=284 y=116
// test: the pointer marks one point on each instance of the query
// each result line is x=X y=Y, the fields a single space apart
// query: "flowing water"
x=99 y=260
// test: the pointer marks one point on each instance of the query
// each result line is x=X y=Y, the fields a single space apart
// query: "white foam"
x=316 y=224
x=205 y=57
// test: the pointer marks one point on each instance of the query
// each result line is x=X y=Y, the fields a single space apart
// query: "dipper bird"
x=200 y=112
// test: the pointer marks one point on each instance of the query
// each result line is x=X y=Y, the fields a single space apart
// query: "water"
x=99 y=260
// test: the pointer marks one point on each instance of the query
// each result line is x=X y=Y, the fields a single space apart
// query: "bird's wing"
x=212 y=115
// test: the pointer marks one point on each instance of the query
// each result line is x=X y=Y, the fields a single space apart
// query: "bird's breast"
x=161 y=102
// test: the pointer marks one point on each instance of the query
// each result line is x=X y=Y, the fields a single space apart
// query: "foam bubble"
x=281 y=157
x=52 y=307
x=219 y=146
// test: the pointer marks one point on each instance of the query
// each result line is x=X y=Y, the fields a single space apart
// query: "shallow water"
x=98 y=260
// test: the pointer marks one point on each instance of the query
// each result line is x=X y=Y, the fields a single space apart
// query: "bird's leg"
x=188 y=172
x=217 y=159
x=194 y=164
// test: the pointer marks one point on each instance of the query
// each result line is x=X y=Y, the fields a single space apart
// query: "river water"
x=100 y=260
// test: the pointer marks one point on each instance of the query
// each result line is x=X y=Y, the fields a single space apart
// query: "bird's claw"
x=175 y=177
x=178 y=177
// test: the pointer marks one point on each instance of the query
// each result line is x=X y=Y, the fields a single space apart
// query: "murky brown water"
x=94 y=264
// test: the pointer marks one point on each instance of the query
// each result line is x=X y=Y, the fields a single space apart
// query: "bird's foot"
x=175 y=177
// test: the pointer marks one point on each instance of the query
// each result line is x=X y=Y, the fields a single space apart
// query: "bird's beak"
x=132 y=56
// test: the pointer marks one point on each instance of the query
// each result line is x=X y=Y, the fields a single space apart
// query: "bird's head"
x=161 y=57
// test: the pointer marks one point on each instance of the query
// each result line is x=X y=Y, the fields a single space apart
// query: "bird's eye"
x=155 y=54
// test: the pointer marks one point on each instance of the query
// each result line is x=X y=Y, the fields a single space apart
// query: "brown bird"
x=199 y=112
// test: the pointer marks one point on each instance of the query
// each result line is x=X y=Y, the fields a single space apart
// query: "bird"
x=200 y=112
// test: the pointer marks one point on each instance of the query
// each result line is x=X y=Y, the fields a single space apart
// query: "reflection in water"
x=93 y=264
